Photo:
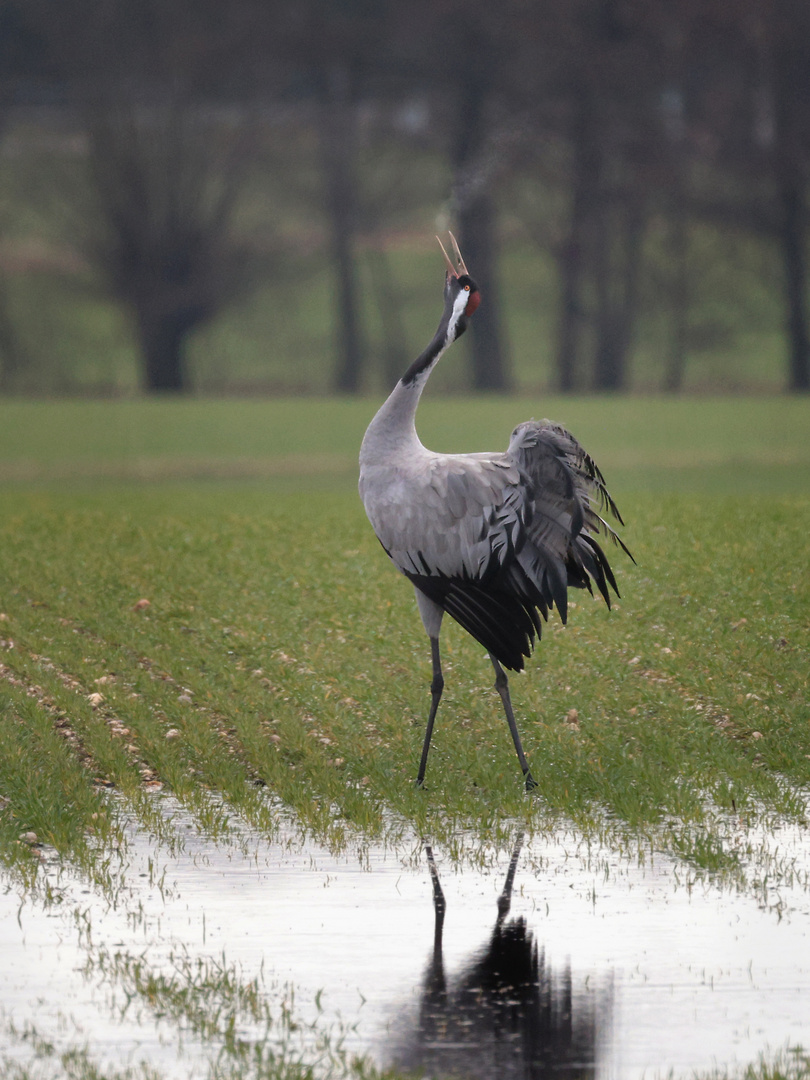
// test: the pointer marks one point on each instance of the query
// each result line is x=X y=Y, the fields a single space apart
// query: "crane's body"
x=493 y=539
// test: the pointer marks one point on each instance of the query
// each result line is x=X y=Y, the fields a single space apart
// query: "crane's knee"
x=437 y=685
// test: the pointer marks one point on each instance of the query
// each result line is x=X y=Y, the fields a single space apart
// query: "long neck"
x=392 y=432
x=393 y=429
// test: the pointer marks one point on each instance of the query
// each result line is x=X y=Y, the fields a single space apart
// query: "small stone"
x=142 y=604
x=95 y=699
x=186 y=699
x=29 y=837
x=173 y=733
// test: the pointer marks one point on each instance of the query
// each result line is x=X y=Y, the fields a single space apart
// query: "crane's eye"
x=466 y=288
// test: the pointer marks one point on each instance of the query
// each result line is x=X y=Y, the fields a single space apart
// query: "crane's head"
x=461 y=295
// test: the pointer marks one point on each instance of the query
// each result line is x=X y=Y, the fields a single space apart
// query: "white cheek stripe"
x=459 y=305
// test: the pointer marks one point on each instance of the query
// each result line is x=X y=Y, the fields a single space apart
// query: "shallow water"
x=599 y=967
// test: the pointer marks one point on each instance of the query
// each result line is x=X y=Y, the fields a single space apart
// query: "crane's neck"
x=392 y=432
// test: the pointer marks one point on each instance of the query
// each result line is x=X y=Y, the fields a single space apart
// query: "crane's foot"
x=531 y=783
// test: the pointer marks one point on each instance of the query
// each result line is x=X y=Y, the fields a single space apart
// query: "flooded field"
x=553 y=956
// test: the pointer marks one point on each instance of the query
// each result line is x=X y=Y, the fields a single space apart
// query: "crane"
x=493 y=539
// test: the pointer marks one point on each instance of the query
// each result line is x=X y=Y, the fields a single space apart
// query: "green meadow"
x=192 y=602
x=201 y=574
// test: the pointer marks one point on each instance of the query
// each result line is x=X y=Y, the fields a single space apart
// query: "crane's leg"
x=436 y=687
x=502 y=686
x=505 y=899
x=439 y=905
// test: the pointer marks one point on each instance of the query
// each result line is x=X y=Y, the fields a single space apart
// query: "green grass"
x=256 y=1029
x=790 y=1063
x=733 y=445
x=279 y=648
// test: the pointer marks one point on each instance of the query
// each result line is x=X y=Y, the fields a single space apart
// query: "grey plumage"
x=521 y=525
x=493 y=539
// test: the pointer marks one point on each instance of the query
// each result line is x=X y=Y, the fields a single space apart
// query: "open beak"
x=460 y=268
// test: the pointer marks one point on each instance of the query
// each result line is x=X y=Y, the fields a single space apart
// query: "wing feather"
x=497 y=539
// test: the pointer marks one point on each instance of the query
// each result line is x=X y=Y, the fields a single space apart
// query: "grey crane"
x=493 y=539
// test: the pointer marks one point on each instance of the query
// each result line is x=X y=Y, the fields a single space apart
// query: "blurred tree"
x=338 y=136
x=789 y=35
x=20 y=62
x=166 y=180
x=617 y=113
x=745 y=141
x=340 y=54
x=611 y=122
x=588 y=85
x=461 y=56
x=166 y=164
x=475 y=162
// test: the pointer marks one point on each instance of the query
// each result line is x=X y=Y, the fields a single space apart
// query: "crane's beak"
x=460 y=268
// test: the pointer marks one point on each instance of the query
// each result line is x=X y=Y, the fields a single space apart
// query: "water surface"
x=592 y=965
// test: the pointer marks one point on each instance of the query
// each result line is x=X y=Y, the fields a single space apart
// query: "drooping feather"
x=498 y=539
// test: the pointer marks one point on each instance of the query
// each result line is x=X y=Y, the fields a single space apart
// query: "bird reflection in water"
x=508 y=1013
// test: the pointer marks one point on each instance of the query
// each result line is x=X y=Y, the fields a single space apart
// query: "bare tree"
x=791 y=164
x=20 y=52
x=165 y=188
x=338 y=136
x=166 y=163
x=469 y=85
x=473 y=201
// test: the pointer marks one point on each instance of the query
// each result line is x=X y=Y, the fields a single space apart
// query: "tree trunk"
x=790 y=76
x=337 y=148
x=792 y=241
x=12 y=355
x=163 y=338
x=617 y=266
x=675 y=368
x=475 y=211
x=568 y=361
x=478 y=244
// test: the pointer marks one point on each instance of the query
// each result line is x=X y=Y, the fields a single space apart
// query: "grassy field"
x=282 y=648
x=731 y=445
x=191 y=601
